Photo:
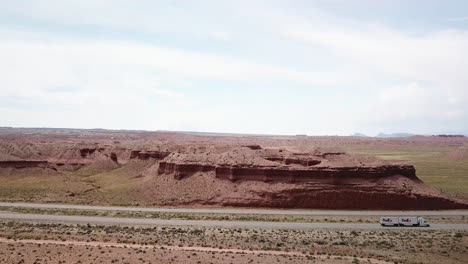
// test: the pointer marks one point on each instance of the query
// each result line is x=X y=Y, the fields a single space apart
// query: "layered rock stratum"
x=169 y=169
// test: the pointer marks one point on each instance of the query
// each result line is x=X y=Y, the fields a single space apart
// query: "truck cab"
x=422 y=222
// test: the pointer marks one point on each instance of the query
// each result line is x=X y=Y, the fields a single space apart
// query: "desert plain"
x=143 y=169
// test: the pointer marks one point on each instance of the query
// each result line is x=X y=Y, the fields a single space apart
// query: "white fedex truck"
x=389 y=221
x=403 y=221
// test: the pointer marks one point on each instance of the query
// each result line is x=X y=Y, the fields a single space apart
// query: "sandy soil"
x=285 y=254
x=48 y=243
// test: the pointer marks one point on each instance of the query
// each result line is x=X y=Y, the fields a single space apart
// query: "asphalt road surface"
x=203 y=223
x=257 y=211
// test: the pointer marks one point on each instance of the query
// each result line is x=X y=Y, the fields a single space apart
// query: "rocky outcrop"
x=253 y=147
x=71 y=156
x=352 y=197
x=335 y=175
x=183 y=170
x=144 y=155
x=85 y=152
x=287 y=174
x=295 y=160
x=19 y=164
x=278 y=166
x=328 y=180
x=114 y=158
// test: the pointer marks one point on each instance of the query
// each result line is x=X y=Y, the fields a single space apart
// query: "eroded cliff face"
x=70 y=156
x=239 y=175
x=280 y=166
x=327 y=180
x=18 y=164
x=150 y=154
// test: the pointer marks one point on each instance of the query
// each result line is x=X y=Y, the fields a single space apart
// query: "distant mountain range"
x=392 y=135
x=359 y=135
x=383 y=135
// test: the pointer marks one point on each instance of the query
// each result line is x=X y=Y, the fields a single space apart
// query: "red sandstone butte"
x=206 y=170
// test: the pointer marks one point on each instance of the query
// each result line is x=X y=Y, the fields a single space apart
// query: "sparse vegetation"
x=178 y=243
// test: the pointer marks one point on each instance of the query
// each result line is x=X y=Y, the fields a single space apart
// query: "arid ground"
x=25 y=242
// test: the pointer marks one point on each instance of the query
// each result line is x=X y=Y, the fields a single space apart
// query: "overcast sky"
x=330 y=67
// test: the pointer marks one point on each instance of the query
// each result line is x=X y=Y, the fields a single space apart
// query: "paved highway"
x=203 y=223
x=293 y=212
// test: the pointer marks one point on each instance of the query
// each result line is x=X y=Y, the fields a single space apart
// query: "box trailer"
x=403 y=221
x=389 y=221
x=408 y=221
x=412 y=221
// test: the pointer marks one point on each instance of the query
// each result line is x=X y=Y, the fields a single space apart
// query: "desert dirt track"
x=205 y=223
x=250 y=211
x=178 y=248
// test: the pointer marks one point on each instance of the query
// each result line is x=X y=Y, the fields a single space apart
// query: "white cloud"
x=458 y=19
x=406 y=79
x=31 y=67
x=115 y=84
x=436 y=56
x=223 y=35
x=432 y=64
x=168 y=93
x=413 y=108
x=194 y=19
